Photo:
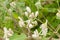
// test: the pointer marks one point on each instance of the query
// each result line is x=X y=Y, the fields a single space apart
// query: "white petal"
x=44 y=28
x=36 y=34
x=58 y=15
x=30 y=26
x=36 y=13
x=28 y=9
x=26 y=14
x=31 y=15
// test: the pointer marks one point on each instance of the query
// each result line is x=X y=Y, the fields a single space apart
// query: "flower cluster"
x=30 y=22
x=7 y=33
x=30 y=14
x=36 y=34
x=44 y=28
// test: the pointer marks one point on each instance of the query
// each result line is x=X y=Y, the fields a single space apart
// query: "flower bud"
x=32 y=15
x=21 y=22
x=30 y=26
x=28 y=9
x=26 y=14
x=36 y=13
x=58 y=15
x=38 y=4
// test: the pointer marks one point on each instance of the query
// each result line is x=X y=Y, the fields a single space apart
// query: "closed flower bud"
x=21 y=22
x=20 y=18
x=26 y=14
x=38 y=4
x=36 y=13
x=58 y=15
x=28 y=9
x=32 y=15
x=30 y=26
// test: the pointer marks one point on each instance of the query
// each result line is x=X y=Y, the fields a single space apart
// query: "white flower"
x=34 y=23
x=36 y=13
x=44 y=28
x=32 y=15
x=30 y=26
x=38 y=4
x=26 y=14
x=21 y=22
x=28 y=9
x=13 y=4
x=36 y=34
x=58 y=15
x=10 y=32
x=7 y=33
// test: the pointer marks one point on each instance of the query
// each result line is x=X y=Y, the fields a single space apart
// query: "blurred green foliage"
x=48 y=10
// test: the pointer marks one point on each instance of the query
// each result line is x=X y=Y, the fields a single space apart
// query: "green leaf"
x=15 y=15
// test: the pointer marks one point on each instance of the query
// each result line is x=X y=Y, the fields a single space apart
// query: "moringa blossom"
x=36 y=34
x=36 y=13
x=28 y=9
x=7 y=33
x=21 y=22
x=31 y=15
x=44 y=28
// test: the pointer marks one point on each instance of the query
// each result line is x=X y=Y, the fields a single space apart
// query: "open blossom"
x=28 y=9
x=44 y=28
x=58 y=14
x=36 y=34
x=7 y=33
x=21 y=22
